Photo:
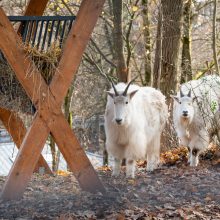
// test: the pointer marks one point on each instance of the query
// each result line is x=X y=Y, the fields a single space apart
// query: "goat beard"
x=185 y=121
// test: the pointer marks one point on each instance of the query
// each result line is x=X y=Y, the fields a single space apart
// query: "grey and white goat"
x=193 y=113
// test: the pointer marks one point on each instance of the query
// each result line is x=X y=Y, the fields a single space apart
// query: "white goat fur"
x=139 y=136
x=214 y=82
x=194 y=131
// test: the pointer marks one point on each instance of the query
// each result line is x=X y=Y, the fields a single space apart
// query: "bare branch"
x=215 y=56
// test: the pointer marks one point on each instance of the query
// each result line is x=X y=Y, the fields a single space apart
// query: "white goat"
x=214 y=82
x=134 y=119
x=193 y=113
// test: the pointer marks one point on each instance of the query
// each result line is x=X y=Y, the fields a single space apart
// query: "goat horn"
x=126 y=89
x=189 y=93
x=181 y=93
x=113 y=86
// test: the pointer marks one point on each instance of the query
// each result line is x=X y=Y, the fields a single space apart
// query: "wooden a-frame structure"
x=48 y=100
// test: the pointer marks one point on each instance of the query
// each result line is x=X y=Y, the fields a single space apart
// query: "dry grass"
x=12 y=95
x=45 y=61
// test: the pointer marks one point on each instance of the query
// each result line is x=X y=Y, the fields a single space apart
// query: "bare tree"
x=147 y=39
x=215 y=56
x=186 y=64
x=171 y=37
x=158 y=51
x=122 y=70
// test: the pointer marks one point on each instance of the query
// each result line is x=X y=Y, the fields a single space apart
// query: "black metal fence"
x=42 y=31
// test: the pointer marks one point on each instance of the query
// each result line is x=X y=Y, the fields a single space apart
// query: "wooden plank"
x=34 y=7
x=75 y=45
x=75 y=156
x=14 y=125
x=36 y=88
x=17 y=130
x=73 y=51
x=27 y=74
x=47 y=104
x=26 y=160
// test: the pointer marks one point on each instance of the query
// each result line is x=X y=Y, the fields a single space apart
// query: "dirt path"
x=168 y=193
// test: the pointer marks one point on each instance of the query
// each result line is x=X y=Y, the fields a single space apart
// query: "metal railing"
x=42 y=31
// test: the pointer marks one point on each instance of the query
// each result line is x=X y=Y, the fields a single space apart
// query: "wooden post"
x=48 y=101
x=34 y=7
x=17 y=130
x=11 y=121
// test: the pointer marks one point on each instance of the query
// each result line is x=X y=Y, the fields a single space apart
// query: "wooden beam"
x=26 y=72
x=48 y=102
x=74 y=155
x=34 y=7
x=17 y=130
x=26 y=160
x=75 y=45
x=13 y=125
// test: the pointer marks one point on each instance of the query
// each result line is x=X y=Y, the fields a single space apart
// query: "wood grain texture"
x=75 y=45
x=75 y=156
x=34 y=7
x=48 y=102
x=15 y=127
x=26 y=160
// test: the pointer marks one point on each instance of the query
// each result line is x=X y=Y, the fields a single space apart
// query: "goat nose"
x=185 y=112
x=118 y=120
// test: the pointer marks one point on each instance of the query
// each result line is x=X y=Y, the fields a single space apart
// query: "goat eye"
x=126 y=102
x=180 y=102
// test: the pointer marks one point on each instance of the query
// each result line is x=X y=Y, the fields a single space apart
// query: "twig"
x=215 y=56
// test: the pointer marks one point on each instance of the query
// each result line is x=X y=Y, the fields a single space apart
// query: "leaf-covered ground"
x=174 y=191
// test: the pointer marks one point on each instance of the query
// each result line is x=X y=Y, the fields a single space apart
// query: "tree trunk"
x=172 y=15
x=158 y=52
x=215 y=56
x=122 y=70
x=68 y=116
x=186 y=64
x=147 y=39
x=53 y=152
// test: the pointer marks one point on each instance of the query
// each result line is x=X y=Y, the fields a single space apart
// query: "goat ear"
x=189 y=93
x=111 y=94
x=175 y=98
x=132 y=94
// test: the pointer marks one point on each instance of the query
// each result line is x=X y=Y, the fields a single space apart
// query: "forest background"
x=163 y=42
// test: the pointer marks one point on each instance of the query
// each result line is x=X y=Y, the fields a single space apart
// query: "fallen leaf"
x=134 y=8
